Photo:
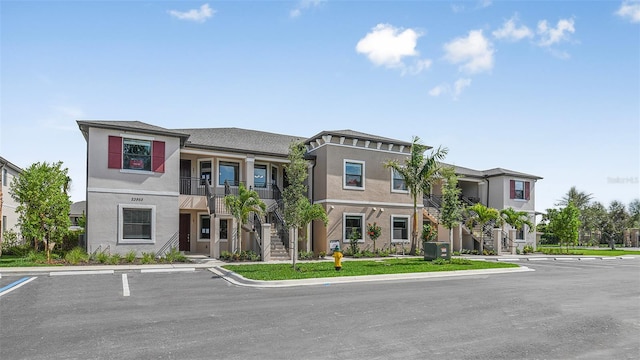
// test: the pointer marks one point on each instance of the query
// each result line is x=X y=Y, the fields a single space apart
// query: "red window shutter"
x=527 y=190
x=115 y=152
x=157 y=159
x=512 y=189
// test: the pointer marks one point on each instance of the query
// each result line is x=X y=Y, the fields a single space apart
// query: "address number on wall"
x=137 y=199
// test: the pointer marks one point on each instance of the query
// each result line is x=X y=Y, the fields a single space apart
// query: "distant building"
x=9 y=218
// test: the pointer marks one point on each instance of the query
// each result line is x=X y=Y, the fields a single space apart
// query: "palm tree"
x=309 y=212
x=578 y=198
x=516 y=219
x=418 y=172
x=240 y=206
x=481 y=215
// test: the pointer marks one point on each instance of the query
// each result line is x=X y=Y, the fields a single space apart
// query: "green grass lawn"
x=588 y=252
x=17 y=261
x=356 y=268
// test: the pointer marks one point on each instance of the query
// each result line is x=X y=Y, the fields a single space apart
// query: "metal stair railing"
x=172 y=243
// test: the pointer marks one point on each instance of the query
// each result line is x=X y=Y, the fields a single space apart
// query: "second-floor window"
x=136 y=154
x=519 y=190
x=398 y=183
x=354 y=174
x=228 y=171
x=260 y=176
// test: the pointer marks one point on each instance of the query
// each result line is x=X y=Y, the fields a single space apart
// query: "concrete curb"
x=239 y=280
x=103 y=269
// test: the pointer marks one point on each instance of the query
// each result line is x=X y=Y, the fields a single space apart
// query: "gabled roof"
x=467 y=172
x=138 y=126
x=9 y=164
x=501 y=171
x=240 y=140
x=358 y=135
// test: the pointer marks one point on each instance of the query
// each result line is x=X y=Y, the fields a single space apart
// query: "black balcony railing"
x=196 y=186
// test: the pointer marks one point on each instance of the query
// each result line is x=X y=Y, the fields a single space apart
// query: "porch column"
x=497 y=241
x=512 y=237
x=214 y=241
x=266 y=242
x=248 y=168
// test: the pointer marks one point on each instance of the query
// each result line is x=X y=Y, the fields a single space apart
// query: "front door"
x=185 y=232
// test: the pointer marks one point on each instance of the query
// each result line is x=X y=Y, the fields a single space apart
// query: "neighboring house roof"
x=131 y=126
x=501 y=171
x=78 y=208
x=240 y=140
x=4 y=162
x=359 y=135
x=467 y=172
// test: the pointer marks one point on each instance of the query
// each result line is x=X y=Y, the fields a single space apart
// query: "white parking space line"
x=125 y=286
x=167 y=270
x=81 y=272
x=16 y=284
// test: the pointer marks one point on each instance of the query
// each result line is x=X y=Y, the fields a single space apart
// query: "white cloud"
x=460 y=85
x=439 y=90
x=510 y=32
x=303 y=5
x=630 y=10
x=387 y=46
x=474 y=52
x=551 y=35
x=197 y=15
x=484 y=3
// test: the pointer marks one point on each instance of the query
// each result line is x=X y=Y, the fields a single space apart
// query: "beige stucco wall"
x=376 y=202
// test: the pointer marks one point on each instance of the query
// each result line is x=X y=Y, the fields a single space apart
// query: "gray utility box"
x=436 y=250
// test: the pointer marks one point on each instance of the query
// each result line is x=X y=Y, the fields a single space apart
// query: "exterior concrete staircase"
x=278 y=251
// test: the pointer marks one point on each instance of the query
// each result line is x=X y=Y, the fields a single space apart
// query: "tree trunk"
x=414 y=235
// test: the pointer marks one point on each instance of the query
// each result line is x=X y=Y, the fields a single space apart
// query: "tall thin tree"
x=418 y=171
x=481 y=215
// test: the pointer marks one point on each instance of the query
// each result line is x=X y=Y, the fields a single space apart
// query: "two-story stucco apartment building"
x=9 y=216
x=150 y=188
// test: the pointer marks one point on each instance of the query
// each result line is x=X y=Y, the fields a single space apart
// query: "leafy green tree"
x=451 y=209
x=240 y=206
x=418 y=171
x=618 y=220
x=478 y=214
x=298 y=210
x=634 y=213
x=43 y=203
x=593 y=219
x=565 y=224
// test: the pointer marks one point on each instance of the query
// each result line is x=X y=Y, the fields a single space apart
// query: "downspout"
x=487 y=178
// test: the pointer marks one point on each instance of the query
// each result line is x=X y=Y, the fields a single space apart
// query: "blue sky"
x=547 y=88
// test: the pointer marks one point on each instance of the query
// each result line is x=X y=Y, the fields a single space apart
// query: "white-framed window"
x=136 y=224
x=4 y=177
x=519 y=190
x=223 y=232
x=397 y=182
x=354 y=175
x=228 y=171
x=352 y=223
x=260 y=176
x=4 y=223
x=205 y=171
x=520 y=234
x=399 y=228
x=204 y=227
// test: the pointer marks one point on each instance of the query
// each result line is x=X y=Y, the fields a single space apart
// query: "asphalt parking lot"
x=563 y=310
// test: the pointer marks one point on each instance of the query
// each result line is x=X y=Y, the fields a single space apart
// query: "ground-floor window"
x=353 y=223
x=136 y=223
x=400 y=228
x=205 y=227
x=224 y=229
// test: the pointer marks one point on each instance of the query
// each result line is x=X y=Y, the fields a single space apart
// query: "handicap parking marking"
x=15 y=285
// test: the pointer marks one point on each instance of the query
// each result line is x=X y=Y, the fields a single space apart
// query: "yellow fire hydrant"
x=337 y=259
